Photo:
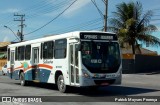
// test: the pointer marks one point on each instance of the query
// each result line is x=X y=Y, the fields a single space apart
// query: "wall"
x=128 y=66
x=146 y=63
x=141 y=64
x=2 y=63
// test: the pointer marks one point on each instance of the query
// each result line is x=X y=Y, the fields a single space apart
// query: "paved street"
x=132 y=85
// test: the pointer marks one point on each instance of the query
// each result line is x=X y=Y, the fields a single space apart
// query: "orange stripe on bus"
x=46 y=66
x=19 y=67
x=34 y=66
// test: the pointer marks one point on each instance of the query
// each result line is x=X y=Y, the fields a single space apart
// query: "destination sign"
x=98 y=36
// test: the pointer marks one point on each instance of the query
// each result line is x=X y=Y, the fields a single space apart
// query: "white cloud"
x=7 y=35
x=78 y=5
x=52 y=14
x=10 y=10
x=51 y=1
x=6 y=39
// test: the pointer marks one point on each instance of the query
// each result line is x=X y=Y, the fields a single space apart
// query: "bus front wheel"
x=61 y=84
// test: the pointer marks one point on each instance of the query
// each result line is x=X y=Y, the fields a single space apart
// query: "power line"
x=155 y=19
x=41 y=8
x=84 y=25
x=100 y=12
x=103 y=1
x=53 y=18
x=48 y=9
x=79 y=26
x=38 y=9
x=26 y=9
x=105 y=16
x=37 y=6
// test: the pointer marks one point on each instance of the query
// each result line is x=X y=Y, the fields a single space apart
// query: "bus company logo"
x=6 y=99
x=25 y=65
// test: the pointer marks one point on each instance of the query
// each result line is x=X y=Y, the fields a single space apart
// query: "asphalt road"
x=132 y=85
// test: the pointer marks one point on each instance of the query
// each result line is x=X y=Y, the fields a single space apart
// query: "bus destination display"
x=98 y=36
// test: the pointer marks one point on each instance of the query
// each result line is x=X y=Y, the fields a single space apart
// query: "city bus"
x=79 y=59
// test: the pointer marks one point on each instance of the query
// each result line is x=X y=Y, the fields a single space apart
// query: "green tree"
x=132 y=25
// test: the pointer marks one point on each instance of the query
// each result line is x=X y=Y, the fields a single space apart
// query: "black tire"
x=23 y=82
x=61 y=84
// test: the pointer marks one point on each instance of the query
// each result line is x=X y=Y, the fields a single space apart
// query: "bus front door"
x=74 y=64
x=35 y=61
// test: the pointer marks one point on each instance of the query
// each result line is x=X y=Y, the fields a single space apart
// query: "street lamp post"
x=20 y=35
x=12 y=31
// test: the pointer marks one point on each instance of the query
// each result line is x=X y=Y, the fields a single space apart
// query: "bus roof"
x=54 y=37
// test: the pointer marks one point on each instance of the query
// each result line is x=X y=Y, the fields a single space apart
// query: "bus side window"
x=8 y=54
x=47 y=50
x=60 y=48
x=41 y=50
x=16 y=54
x=21 y=50
x=28 y=52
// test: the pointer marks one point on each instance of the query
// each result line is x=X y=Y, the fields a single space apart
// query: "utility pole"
x=21 y=25
x=105 y=15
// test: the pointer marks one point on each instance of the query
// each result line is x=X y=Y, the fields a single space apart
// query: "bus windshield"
x=100 y=57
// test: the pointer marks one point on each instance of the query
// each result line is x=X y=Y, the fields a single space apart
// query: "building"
x=3 y=53
x=128 y=54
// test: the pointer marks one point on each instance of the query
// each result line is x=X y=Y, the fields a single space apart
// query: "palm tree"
x=131 y=25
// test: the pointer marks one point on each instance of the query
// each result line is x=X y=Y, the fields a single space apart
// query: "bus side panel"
x=51 y=78
x=44 y=75
x=16 y=74
x=61 y=65
x=28 y=75
x=118 y=80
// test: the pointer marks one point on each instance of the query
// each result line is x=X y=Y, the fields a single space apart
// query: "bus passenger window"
x=28 y=52
x=48 y=50
x=60 y=48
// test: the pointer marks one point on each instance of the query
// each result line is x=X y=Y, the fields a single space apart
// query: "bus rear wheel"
x=23 y=82
x=61 y=84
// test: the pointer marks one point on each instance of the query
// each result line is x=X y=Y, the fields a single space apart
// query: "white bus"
x=80 y=59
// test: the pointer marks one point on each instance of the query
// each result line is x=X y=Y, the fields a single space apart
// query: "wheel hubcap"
x=61 y=83
x=22 y=81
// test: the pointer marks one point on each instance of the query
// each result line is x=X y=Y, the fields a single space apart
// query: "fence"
x=141 y=64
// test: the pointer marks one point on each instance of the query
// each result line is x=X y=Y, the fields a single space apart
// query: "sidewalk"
x=149 y=73
x=145 y=80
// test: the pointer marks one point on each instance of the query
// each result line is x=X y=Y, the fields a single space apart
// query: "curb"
x=152 y=73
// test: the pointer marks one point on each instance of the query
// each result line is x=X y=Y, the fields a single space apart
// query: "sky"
x=57 y=19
